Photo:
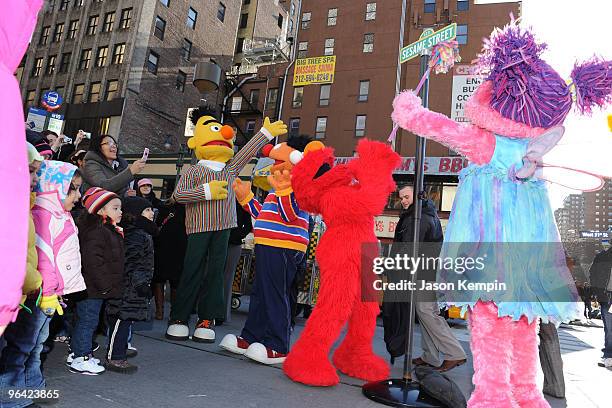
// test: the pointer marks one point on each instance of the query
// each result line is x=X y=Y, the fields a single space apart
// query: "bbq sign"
x=315 y=70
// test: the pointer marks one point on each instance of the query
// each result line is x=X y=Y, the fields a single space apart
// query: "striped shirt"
x=204 y=215
x=279 y=222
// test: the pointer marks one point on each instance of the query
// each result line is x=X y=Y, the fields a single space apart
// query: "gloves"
x=144 y=291
x=277 y=128
x=218 y=189
x=243 y=191
x=50 y=304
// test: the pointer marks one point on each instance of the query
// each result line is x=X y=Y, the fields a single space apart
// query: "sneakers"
x=62 y=339
x=177 y=330
x=606 y=362
x=86 y=365
x=264 y=355
x=121 y=366
x=204 y=332
x=70 y=359
x=131 y=351
x=234 y=344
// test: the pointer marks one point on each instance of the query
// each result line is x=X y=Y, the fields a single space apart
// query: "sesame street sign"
x=315 y=70
x=428 y=40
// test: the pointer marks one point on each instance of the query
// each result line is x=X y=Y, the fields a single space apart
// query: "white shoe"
x=70 y=359
x=204 y=332
x=178 y=332
x=86 y=365
x=606 y=362
x=264 y=355
x=130 y=347
x=234 y=344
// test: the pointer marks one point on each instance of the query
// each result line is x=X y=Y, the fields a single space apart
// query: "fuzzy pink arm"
x=470 y=141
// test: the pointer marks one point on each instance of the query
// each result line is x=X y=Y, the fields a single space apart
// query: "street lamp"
x=207 y=76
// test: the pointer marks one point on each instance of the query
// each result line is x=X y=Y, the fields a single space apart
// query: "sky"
x=575 y=30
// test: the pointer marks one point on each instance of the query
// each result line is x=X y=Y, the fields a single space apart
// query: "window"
x=160 y=28
x=118 y=53
x=152 y=62
x=181 y=79
x=192 y=16
x=244 y=20
x=329 y=46
x=30 y=97
x=65 y=63
x=94 y=92
x=368 y=42
x=332 y=16
x=51 y=6
x=280 y=21
x=306 y=20
x=187 y=49
x=254 y=97
x=37 y=68
x=364 y=90
x=370 y=11
x=77 y=94
x=72 y=29
x=250 y=128
x=298 y=96
x=236 y=103
x=102 y=56
x=51 y=65
x=85 y=58
x=245 y=2
x=64 y=4
x=321 y=127
x=126 y=18
x=239 y=45
x=430 y=6
x=360 y=125
x=111 y=89
x=463 y=5
x=165 y=2
x=92 y=25
x=302 y=49
x=462 y=34
x=44 y=35
x=109 y=22
x=324 y=95
x=294 y=126
x=221 y=12
x=78 y=3
x=290 y=26
x=57 y=34
x=271 y=98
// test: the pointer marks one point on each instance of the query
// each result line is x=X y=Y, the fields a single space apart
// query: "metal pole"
x=398 y=74
x=293 y=53
x=417 y=197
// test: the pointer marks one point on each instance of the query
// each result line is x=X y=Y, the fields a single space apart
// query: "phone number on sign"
x=33 y=394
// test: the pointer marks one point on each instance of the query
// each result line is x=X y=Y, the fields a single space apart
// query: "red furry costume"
x=348 y=197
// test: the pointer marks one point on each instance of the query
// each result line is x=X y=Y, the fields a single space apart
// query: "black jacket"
x=134 y=304
x=102 y=259
x=396 y=314
x=245 y=226
x=600 y=275
x=170 y=244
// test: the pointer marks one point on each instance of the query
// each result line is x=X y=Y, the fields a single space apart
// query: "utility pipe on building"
x=293 y=52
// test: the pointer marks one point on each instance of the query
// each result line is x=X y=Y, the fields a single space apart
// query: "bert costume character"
x=210 y=214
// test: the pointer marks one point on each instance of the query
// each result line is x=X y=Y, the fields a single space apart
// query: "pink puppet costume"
x=348 y=197
x=17 y=22
x=501 y=210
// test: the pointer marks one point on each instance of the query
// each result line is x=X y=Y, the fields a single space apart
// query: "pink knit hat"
x=95 y=198
x=145 y=182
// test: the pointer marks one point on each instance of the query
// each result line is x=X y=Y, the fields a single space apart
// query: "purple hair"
x=528 y=90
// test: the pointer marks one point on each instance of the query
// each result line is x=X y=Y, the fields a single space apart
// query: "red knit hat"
x=95 y=198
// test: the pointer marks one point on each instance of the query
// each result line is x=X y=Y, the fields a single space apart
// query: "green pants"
x=202 y=277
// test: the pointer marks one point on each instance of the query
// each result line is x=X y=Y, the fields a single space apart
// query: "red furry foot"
x=362 y=364
x=310 y=367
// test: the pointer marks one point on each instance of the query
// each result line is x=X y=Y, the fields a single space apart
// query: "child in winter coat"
x=20 y=353
x=102 y=257
x=139 y=228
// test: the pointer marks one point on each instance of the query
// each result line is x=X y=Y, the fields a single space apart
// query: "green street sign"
x=428 y=39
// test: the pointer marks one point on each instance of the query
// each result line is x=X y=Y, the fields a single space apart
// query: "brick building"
x=125 y=67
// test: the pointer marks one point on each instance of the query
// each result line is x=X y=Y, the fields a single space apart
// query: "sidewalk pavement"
x=189 y=374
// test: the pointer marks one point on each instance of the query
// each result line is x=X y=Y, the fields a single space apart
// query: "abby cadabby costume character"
x=516 y=116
